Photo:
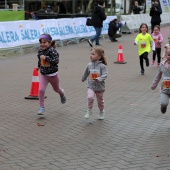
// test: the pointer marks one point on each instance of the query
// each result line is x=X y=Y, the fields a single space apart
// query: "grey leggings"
x=164 y=99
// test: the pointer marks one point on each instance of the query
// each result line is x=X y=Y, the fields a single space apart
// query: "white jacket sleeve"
x=153 y=45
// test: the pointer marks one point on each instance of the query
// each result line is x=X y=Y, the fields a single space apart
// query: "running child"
x=144 y=42
x=96 y=73
x=158 y=39
x=163 y=75
x=48 y=59
x=166 y=46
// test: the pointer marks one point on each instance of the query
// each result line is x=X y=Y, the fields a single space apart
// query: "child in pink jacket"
x=165 y=48
x=158 y=39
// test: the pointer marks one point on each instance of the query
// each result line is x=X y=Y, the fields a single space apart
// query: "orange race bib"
x=155 y=39
x=94 y=74
x=166 y=83
x=143 y=44
x=45 y=63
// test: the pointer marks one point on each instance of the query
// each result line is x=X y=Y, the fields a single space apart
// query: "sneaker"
x=101 y=115
x=152 y=63
x=142 y=72
x=114 y=40
x=90 y=43
x=163 y=109
x=158 y=65
x=88 y=113
x=147 y=62
x=111 y=39
x=63 y=98
x=41 y=111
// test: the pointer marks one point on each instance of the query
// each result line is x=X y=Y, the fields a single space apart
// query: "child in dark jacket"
x=114 y=26
x=48 y=59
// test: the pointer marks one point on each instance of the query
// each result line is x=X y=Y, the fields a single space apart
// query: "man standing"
x=98 y=17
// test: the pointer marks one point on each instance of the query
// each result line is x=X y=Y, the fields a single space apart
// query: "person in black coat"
x=114 y=26
x=136 y=8
x=155 y=13
x=98 y=17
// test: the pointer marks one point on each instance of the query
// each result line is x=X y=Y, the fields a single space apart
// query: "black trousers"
x=157 y=53
x=142 y=57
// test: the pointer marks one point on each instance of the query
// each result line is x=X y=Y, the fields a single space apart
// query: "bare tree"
x=89 y=6
x=130 y=6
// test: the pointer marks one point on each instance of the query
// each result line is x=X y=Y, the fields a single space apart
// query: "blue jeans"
x=96 y=37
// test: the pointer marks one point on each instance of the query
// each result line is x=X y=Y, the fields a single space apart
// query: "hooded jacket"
x=158 y=39
x=163 y=73
x=98 y=17
x=95 y=70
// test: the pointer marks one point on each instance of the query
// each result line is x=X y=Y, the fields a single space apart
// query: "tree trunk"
x=130 y=7
x=89 y=6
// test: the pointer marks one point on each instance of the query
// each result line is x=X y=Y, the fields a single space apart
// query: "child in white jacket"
x=163 y=75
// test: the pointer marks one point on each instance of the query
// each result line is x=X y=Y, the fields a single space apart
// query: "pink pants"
x=99 y=96
x=44 y=80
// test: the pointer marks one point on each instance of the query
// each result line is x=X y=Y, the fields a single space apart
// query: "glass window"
x=8 y=4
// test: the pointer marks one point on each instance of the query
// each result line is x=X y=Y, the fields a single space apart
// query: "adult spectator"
x=136 y=9
x=98 y=17
x=114 y=26
x=56 y=8
x=155 y=13
x=62 y=8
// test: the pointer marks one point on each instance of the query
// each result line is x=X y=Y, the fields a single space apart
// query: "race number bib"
x=94 y=74
x=45 y=63
x=143 y=44
x=155 y=39
x=166 y=83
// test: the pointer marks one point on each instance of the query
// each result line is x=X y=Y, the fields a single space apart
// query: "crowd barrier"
x=133 y=21
x=18 y=34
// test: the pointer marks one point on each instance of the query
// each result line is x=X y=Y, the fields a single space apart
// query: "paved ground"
x=133 y=136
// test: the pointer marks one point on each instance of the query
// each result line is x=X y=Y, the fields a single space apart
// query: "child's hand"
x=97 y=80
x=42 y=57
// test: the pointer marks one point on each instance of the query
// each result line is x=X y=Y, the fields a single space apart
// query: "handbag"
x=89 y=22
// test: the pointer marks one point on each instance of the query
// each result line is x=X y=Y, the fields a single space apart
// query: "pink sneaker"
x=158 y=65
x=152 y=63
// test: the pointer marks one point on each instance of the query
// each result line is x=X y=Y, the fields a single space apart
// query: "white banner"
x=18 y=33
x=165 y=5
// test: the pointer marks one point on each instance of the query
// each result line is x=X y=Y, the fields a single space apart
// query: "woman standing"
x=98 y=17
x=155 y=13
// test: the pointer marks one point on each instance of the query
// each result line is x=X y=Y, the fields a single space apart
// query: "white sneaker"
x=101 y=115
x=88 y=113
x=41 y=111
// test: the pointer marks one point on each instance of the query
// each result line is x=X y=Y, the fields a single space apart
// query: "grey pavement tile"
x=134 y=134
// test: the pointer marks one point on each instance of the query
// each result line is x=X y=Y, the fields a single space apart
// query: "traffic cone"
x=34 y=86
x=120 y=58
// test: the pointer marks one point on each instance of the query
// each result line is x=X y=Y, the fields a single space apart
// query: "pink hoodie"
x=158 y=39
x=164 y=52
